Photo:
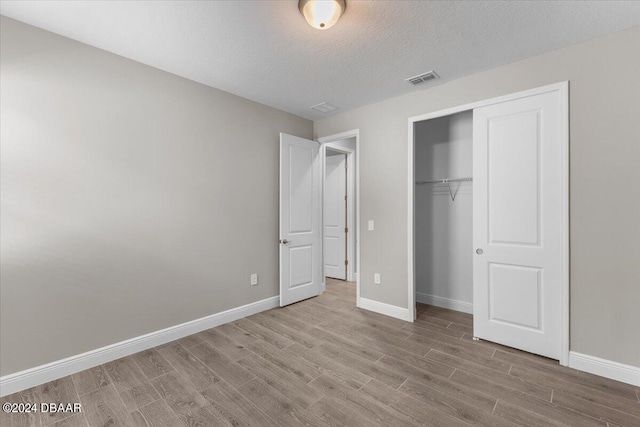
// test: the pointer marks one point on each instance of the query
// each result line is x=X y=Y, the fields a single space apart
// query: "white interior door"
x=517 y=223
x=300 y=204
x=335 y=217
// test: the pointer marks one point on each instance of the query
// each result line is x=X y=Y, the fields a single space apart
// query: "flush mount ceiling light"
x=322 y=14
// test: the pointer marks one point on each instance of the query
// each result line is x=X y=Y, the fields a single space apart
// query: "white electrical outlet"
x=371 y=225
x=254 y=279
x=376 y=278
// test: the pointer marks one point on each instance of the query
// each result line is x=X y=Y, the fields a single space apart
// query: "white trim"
x=337 y=137
x=564 y=297
x=451 y=304
x=22 y=380
x=386 y=309
x=563 y=88
x=411 y=245
x=491 y=101
x=605 y=368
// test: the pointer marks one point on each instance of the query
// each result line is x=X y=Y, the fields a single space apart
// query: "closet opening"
x=443 y=211
x=488 y=229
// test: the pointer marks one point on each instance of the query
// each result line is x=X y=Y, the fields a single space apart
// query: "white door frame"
x=353 y=221
x=563 y=88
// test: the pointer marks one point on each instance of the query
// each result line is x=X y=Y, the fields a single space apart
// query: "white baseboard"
x=61 y=368
x=452 y=304
x=383 y=308
x=605 y=368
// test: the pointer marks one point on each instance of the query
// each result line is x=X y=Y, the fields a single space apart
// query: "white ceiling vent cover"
x=421 y=78
x=324 y=107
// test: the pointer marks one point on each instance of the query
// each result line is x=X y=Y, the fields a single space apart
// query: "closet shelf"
x=447 y=181
x=444 y=181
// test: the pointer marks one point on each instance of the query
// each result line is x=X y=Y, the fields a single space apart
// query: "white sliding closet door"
x=517 y=222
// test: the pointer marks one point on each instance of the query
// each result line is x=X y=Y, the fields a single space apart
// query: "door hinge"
x=346 y=262
x=346 y=230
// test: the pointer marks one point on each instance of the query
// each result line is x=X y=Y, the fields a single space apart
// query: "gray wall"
x=132 y=199
x=444 y=227
x=605 y=172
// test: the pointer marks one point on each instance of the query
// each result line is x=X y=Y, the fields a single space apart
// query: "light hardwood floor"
x=324 y=362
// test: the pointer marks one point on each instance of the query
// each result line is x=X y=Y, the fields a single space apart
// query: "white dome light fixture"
x=322 y=14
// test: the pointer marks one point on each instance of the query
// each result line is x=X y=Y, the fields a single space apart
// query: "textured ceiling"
x=265 y=51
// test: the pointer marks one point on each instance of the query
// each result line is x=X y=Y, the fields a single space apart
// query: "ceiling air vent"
x=324 y=107
x=425 y=77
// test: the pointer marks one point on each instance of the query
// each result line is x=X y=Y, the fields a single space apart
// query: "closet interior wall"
x=443 y=227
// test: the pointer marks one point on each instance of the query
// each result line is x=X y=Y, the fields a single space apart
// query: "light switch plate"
x=371 y=225
x=254 y=279
x=376 y=278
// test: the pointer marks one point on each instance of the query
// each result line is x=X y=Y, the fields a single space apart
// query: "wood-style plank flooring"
x=323 y=362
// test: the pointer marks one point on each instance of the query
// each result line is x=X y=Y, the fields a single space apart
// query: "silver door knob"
x=285 y=242
x=479 y=251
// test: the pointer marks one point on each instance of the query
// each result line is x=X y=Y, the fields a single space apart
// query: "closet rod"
x=444 y=181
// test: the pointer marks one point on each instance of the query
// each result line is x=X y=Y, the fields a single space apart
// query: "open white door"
x=335 y=217
x=300 y=204
x=518 y=222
